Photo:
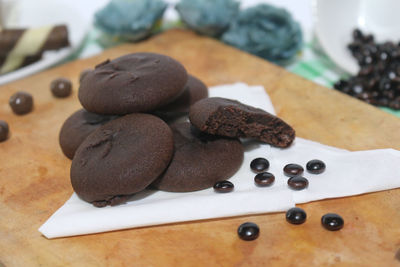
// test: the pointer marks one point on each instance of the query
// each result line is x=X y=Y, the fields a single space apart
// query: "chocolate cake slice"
x=225 y=117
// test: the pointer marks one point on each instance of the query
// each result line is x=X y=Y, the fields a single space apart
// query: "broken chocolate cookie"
x=225 y=117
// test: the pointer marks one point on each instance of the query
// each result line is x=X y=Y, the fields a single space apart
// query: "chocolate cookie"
x=199 y=160
x=231 y=118
x=193 y=92
x=121 y=158
x=132 y=83
x=77 y=127
x=83 y=74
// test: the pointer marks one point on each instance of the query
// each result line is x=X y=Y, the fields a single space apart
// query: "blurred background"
x=351 y=46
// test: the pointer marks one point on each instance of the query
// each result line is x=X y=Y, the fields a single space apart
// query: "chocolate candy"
x=61 y=87
x=397 y=255
x=296 y=216
x=315 y=166
x=264 y=179
x=259 y=164
x=293 y=170
x=21 y=103
x=3 y=130
x=248 y=231
x=378 y=81
x=223 y=187
x=332 y=222
x=297 y=183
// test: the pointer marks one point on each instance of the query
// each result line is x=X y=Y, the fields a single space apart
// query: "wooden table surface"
x=34 y=176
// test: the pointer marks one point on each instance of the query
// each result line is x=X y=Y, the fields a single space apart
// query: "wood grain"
x=34 y=176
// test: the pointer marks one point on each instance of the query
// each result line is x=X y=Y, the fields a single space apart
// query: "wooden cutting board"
x=34 y=176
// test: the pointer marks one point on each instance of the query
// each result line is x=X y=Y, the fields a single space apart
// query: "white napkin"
x=347 y=173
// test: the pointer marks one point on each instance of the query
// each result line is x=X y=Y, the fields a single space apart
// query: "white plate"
x=28 y=13
x=335 y=21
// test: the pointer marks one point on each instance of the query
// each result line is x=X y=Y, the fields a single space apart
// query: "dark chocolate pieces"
x=21 y=103
x=223 y=187
x=259 y=165
x=332 y=222
x=297 y=183
x=61 y=87
x=264 y=179
x=296 y=216
x=225 y=117
x=397 y=255
x=4 y=130
x=378 y=81
x=315 y=166
x=293 y=169
x=248 y=231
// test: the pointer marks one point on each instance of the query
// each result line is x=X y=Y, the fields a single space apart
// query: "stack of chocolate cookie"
x=125 y=140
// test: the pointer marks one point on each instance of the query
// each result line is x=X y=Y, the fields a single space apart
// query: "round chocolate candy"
x=21 y=103
x=316 y=166
x=259 y=164
x=377 y=81
x=332 y=221
x=61 y=87
x=397 y=255
x=264 y=179
x=293 y=170
x=223 y=187
x=248 y=231
x=296 y=216
x=297 y=183
x=3 y=130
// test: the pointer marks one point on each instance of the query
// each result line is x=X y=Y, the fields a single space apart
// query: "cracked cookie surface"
x=77 y=127
x=200 y=160
x=138 y=82
x=121 y=158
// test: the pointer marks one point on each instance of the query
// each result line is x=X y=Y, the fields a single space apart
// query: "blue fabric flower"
x=266 y=31
x=130 y=19
x=209 y=17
